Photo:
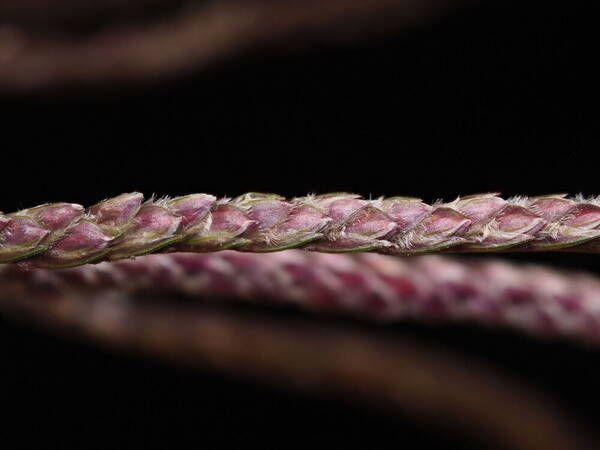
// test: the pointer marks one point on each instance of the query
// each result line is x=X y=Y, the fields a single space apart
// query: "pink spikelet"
x=65 y=235
x=370 y=286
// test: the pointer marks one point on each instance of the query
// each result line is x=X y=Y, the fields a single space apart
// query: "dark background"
x=490 y=98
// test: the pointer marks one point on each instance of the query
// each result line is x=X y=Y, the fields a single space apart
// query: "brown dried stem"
x=195 y=36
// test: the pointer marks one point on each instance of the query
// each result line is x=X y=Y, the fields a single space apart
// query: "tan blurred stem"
x=195 y=37
x=352 y=365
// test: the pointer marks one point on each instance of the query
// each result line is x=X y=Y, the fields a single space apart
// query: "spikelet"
x=65 y=235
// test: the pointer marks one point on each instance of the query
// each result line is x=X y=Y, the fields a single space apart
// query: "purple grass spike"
x=64 y=235
x=494 y=293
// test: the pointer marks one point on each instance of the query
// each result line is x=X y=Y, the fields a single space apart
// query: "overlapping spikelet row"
x=65 y=234
x=495 y=293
